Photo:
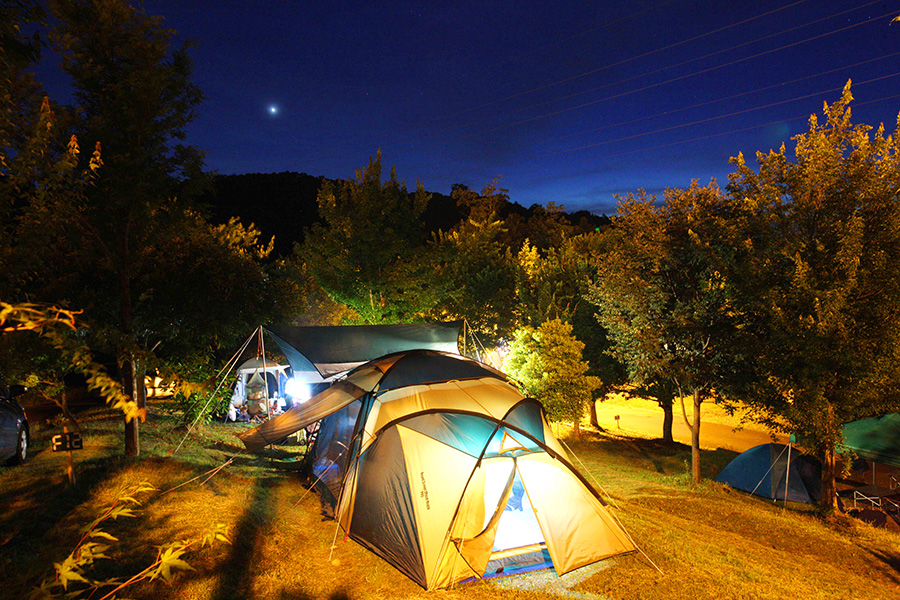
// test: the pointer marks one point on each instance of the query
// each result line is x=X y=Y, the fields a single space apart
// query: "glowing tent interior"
x=439 y=465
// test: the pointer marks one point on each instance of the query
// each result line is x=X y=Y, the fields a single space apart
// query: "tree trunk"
x=828 y=501
x=668 y=420
x=129 y=377
x=695 y=439
x=594 y=420
x=695 y=433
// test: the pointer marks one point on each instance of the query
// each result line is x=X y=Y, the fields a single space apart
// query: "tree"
x=370 y=251
x=662 y=295
x=821 y=279
x=548 y=362
x=124 y=244
x=476 y=269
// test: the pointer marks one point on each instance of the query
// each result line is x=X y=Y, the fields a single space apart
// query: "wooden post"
x=70 y=463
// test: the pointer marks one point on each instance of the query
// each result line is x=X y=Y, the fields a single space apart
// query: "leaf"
x=170 y=558
x=68 y=571
x=218 y=533
x=103 y=534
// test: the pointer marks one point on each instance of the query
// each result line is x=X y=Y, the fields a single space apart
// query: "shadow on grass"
x=891 y=560
x=237 y=571
x=665 y=458
x=37 y=505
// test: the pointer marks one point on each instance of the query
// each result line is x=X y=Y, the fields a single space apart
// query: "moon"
x=273 y=110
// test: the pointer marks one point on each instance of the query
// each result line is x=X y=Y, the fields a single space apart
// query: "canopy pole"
x=262 y=345
x=232 y=362
x=465 y=338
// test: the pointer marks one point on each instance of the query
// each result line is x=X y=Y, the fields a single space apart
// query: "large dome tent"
x=439 y=465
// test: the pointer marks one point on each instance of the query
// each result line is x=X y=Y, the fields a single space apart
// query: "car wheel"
x=21 y=446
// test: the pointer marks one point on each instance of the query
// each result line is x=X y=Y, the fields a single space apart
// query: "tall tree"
x=134 y=97
x=370 y=249
x=662 y=295
x=822 y=280
x=124 y=245
x=477 y=271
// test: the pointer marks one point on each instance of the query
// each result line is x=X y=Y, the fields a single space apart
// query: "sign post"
x=68 y=441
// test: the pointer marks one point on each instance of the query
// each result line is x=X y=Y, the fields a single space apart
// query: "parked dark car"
x=13 y=425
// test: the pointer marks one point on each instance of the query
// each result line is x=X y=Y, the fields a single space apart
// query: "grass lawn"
x=709 y=541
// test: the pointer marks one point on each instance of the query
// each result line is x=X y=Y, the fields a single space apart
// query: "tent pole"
x=465 y=339
x=262 y=344
x=787 y=476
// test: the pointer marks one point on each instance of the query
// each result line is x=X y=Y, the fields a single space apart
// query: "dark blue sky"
x=569 y=102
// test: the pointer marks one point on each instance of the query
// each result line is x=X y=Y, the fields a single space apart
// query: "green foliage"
x=548 y=362
x=118 y=239
x=368 y=254
x=199 y=395
x=823 y=240
x=478 y=274
x=72 y=577
x=663 y=295
x=55 y=325
x=477 y=269
x=661 y=290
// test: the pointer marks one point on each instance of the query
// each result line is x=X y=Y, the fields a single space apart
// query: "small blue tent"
x=764 y=471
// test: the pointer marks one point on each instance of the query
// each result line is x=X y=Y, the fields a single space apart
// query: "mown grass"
x=709 y=541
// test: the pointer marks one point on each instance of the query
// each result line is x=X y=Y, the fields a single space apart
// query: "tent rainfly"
x=319 y=353
x=439 y=465
x=765 y=471
x=876 y=439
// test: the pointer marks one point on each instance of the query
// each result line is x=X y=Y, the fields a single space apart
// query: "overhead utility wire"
x=624 y=61
x=694 y=74
x=659 y=84
x=535 y=50
x=723 y=99
x=700 y=138
x=711 y=54
x=699 y=104
x=707 y=120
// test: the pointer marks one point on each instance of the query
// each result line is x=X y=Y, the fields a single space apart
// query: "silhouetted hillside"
x=284 y=205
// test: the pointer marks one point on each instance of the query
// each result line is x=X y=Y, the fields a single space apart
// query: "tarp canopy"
x=451 y=477
x=876 y=439
x=764 y=470
x=391 y=371
x=333 y=350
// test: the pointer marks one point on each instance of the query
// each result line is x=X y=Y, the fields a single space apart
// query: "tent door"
x=519 y=542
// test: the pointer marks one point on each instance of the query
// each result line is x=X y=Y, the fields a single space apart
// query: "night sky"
x=569 y=102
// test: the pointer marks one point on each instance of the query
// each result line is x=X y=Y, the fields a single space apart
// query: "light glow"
x=297 y=390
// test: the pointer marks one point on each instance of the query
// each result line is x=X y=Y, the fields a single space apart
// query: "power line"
x=723 y=99
x=694 y=74
x=705 y=137
x=619 y=63
x=682 y=77
x=707 y=120
x=705 y=56
x=628 y=60
x=733 y=96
